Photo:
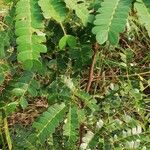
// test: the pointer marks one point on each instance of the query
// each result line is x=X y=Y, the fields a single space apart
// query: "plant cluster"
x=74 y=74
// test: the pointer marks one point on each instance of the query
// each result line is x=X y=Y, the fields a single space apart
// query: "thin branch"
x=125 y=76
x=63 y=28
x=91 y=72
x=89 y=83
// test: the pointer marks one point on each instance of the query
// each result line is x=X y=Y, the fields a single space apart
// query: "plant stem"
x=126 y=76
x=63 y=28
x=1 y=134
x=7 y=133
x=89 y=83
x=91 y=72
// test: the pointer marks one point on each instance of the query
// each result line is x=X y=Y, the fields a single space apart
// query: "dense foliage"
x=74 y=74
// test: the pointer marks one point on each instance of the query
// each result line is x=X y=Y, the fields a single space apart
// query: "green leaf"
x=81 y=115
x=18 y=91
x=10 y=108
x=63 y=42
x=80 y=9
x=4 y=71
x=4 y=38
x=71 y=41
x=49 y=120
x=30 y=40
x=143 y=11
x=88 y=100
x=2 y=78
x=23 y=103
x=26 y=84
x=111 y=20
x=55 y=9
x=71 y=126
x=67 y=40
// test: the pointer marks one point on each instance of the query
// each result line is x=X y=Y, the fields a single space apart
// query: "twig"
x=91 y=72
x=125 y=76
x=89 y=83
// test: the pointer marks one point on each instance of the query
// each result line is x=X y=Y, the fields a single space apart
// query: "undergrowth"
x=74 y=74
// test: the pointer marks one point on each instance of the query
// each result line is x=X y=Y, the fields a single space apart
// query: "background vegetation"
x=74 y=74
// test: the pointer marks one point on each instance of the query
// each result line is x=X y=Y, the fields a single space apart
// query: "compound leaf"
x=28 y=22
x=71 y=126
x=49 y=120
x=80 y=10
x=111 y=20
x=143 y=11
